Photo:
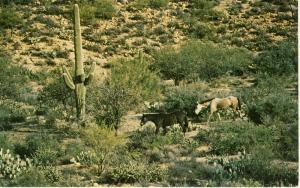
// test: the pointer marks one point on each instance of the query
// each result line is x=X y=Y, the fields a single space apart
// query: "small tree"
x=113 y=103
x=131 y=84
x=172 y=65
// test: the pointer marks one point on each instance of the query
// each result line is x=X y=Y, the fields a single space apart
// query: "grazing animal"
x=165 y=120
x=219 y=103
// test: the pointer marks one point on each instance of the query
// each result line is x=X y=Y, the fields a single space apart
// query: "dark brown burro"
x=165 y=120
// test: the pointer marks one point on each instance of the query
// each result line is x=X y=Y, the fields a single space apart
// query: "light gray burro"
x=219 y=103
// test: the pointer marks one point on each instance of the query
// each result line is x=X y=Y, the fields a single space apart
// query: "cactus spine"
x=79 y=82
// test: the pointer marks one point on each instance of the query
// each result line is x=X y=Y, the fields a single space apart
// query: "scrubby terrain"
x=152 y=56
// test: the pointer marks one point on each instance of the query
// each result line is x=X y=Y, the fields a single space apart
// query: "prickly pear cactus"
x=79 y=82
x=11 y=167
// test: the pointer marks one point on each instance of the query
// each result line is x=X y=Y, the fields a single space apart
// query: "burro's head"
x=199 y=108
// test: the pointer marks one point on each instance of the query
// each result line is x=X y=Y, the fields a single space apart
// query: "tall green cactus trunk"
x=80 y=80
x=79 y=72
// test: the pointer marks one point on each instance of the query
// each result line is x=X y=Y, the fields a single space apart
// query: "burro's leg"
x=208 y=120
x=157 y=129
x=219 y=116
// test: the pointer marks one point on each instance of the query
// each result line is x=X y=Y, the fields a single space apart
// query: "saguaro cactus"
x=79 y=82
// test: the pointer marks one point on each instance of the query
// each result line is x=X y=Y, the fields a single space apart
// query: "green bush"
x=12 y=79
x=131 y=84
x=32 y=177
x=9 y=18
x=269 y=101
x=44 y=149
x=158 y=3
x=278 y=60
x=103 y=145
x=56 y=99
x=191 y=173
x=5 y=143
x=86 y=158
x=133 y=171
x=146 y=140
x=202 y=60
x=183 y=99
x=140 y=4
x=203 y=10
x=173 y=65
x=287 y=145
x=231 y=138
x=104 y=9
x=8 y=2
x=258 y=167
x=200 y=30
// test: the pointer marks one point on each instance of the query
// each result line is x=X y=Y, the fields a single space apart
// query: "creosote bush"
x=269 y=101
x=91 y=10
x=280 y=59
x=203 y=60
x=183 y=98
x=131 y=84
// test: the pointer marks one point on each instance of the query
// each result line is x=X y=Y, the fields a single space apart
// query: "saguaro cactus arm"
x=68 y=81
x=68 y=78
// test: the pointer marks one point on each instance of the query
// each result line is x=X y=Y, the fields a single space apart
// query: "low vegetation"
x=151 y=56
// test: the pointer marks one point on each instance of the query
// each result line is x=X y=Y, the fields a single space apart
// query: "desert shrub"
x=147 y=140
x=9 y=18
x=203 y=10
x=131 y=84
x=288 y=142
x=5 y=143
x=86 y=158
x=134 y=171
x=231 y=138
x=39 y=176
x=87 y=13
x=46 y=156
x=12 y=79
x=140 y=4
x=8 y=2
x=103 y=143
x=158 y=3
x=278 y=60
x=214 y=61
x=104 y=9
x=200 y=30
x=201 y=60
x=259 y=167
x=190 y=173
x=56 y=99
x=44 y=149
x=32 y=177
x=172 y=65
x=183 y=99
x=269 y=101
x=113 y=103
x=137 y=77
x=235 y=9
